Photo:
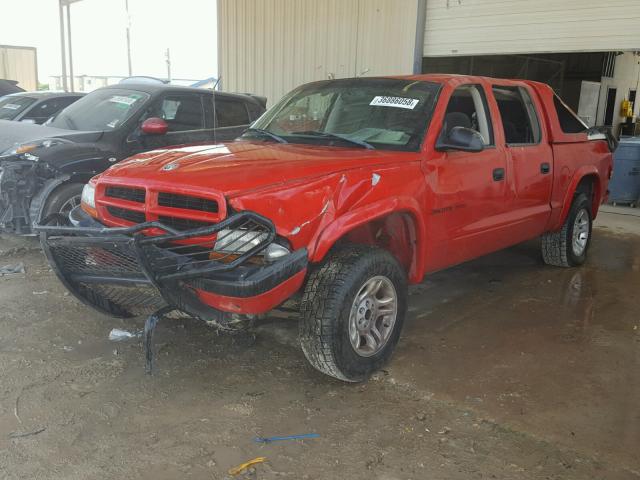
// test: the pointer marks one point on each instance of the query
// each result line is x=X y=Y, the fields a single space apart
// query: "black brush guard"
x=124 y=273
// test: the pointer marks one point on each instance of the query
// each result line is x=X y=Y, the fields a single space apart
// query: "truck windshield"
x=11 y=107
x=101 y=110
x=381 y=113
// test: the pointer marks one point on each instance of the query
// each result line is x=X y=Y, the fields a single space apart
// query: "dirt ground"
x=506 y=369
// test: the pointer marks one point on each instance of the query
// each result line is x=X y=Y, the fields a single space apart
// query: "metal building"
x=20 y=64
x=270 y=46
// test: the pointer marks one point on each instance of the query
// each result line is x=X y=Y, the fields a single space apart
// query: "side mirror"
x=461 y=138
x=154 y=126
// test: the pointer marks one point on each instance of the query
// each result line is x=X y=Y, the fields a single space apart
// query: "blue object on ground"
x=287 y=437
x=624 y=187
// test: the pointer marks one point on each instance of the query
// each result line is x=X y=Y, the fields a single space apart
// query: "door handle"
x=545 y=168
x=498 y=174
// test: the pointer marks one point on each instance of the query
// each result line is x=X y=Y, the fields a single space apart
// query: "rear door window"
x=519 y=116
x=231 y=113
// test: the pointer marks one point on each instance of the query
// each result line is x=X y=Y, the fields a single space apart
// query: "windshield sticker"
x=123 y=100
x=397 y=102
x=11 y=106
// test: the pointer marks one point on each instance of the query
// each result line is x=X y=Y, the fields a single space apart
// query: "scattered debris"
x=421 y=417
x=43 y=292
x=26 y=434
x=15 y=410
x=12 y=269
x=444 y=431
x=243 y=466
x=67 y=348
x=118 y=335
x=286 y=437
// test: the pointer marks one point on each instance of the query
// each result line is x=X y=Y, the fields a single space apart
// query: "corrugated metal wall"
x=482 y=27
x=19 y=63
x=268 y=47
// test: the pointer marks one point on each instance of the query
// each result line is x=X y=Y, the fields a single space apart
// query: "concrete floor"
x=507 y=369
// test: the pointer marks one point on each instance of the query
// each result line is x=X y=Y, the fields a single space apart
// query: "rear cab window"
x=569 y=121
x=519 y=116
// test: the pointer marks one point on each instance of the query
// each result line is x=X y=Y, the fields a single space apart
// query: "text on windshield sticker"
x=123 y=100
x=398 y=102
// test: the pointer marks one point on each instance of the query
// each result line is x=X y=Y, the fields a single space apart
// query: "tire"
x=559 y=248
x=328 y=304
x=63 y=199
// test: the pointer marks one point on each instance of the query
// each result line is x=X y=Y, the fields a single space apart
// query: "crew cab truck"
x=340 y=195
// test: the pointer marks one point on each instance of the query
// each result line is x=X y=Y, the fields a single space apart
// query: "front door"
x=469 y=188
x=184 y=114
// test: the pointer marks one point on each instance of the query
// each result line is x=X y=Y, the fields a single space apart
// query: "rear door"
x=232 y=117
x=529 y=161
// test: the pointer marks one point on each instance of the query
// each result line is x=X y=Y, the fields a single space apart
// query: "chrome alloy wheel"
x=580 y=235
x=373 y=315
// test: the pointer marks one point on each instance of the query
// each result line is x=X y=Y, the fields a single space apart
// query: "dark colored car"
x=35 y=107
x=9 y=86
x=43 y=168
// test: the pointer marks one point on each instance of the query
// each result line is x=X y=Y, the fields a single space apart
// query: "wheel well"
x=395 y=233
x=590 y=186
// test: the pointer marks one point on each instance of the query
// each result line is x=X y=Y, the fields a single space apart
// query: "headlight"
x=22 y=148
x=89 y=195
x=241 y=241
x=238 y=241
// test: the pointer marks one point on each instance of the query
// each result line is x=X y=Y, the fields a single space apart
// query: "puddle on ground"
x=550 y=350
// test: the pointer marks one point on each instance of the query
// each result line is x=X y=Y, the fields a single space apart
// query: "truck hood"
x=240 y=167
x=12 y=133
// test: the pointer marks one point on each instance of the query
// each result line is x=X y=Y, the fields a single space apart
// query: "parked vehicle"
x=43 y=168
x=35 y=107
x=9 y=86
x=344 y=192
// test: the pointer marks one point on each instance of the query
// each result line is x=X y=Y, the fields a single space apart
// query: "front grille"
x=126 y=214
x=173 y=200
x=126 y=193
x=183 y=223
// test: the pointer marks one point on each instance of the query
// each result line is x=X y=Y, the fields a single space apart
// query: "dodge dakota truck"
x=339 y=196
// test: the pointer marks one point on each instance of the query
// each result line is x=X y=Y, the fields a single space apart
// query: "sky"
x=186 y=27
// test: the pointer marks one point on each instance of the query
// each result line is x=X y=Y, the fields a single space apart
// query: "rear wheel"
x=568 y=247
x=63 y=199
x=353 y=309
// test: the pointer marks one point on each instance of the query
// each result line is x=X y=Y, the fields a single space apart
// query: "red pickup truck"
x=340 y=195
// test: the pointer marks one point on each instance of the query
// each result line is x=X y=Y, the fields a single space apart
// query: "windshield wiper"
x=337 y=136
x=266 y=133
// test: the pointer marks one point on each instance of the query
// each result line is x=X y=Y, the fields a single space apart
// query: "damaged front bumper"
x=126 y=272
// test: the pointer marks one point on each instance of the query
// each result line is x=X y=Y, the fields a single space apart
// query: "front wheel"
x=568 y=246
x=63 y=199
x=353 y=309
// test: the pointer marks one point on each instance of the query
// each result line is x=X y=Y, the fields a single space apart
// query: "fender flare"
x=585 y=170
x=342 y=225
